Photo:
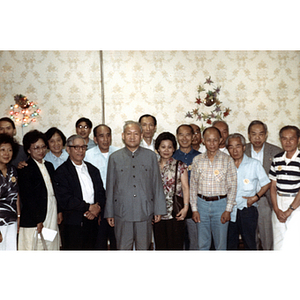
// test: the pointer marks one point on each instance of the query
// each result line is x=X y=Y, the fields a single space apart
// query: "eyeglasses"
x=39 y=148
x=85 y=127
x=83 y=148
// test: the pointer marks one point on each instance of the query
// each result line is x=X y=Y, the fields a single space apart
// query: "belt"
x=215 y=198
x=286 y=195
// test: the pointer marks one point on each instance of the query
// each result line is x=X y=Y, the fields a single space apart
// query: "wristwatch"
x=291 y=207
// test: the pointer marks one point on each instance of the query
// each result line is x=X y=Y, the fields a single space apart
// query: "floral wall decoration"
x=209 y=108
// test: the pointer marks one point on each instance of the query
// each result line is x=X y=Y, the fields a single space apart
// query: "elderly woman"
x=56 y=142
x=169 y=232
x=38 y=202
x=9 y=203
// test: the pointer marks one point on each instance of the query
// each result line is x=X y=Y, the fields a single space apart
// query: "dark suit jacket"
x=69 y=193
x=269 y=152
x=33 y=193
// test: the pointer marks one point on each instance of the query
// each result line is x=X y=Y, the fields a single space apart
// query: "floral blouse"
x=168 y=180
x=8 y=196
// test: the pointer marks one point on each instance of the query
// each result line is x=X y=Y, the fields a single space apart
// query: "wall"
x=66 y=85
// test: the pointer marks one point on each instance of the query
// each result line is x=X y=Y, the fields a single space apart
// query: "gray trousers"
x=128 y=234
x=264 y=225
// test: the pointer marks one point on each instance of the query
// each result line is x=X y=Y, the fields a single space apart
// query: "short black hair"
x=86 y=120
x=146 y=116
x=192 y=130
x=6 y=139
x=32 y=137
x=257 y=122
x=6 y=119
x=212 y=127
x=163 y=137
x=51 y=131
x=95 y=128
x=290 y=127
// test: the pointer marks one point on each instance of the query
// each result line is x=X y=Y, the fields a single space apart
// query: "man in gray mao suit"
x=258 y=148
x=134 y=191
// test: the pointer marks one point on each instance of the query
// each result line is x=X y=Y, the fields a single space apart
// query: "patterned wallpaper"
x=66 y=85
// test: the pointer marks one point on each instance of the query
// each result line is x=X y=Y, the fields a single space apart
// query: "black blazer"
x=69 y=194
x=33 y=193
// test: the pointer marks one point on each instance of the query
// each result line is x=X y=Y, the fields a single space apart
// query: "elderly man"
x=98 y=156
x=80 y=195
x=197 y=139
x=250 y=175
x=186 y=154
x=134 y=191
x=212 y=191
x=223 y=127
x=285 y=189
x=8 y=127
x=83 y=128
x=148 y=123
x=259 y=149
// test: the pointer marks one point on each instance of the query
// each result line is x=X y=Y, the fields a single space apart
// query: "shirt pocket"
x=219 y=175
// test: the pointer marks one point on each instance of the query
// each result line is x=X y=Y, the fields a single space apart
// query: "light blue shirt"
x=250 y=177
x=91 y=144
x=56 y=161
x=100 y=160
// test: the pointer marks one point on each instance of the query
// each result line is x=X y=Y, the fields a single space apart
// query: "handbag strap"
x=176 y=171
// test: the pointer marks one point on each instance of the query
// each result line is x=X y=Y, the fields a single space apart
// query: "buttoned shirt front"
x=213 y=178
x=260 y=155
x=251 y=176
x=99 y=160
x=145 y=145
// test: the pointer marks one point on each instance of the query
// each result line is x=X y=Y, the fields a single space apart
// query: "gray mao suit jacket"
x=269 y=152
x=134 y=187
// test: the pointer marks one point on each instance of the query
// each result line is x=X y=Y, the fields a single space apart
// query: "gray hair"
x=235 y=136
x=72 y=138
x=219 y=121
x=257 y=122
x=127 y=123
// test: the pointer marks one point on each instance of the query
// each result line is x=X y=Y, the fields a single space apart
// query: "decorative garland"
x=24 y=111
x=208 y=98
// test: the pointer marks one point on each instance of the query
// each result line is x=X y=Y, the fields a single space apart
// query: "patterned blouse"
x=8 y=196
x=168 y=180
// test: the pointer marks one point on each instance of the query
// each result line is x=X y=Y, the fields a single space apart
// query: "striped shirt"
x=286 y=172
x=213 y=178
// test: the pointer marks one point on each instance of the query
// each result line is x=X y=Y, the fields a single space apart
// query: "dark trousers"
x=105 y=233
x=245 y=225
x=80 y=237
x=169 y=234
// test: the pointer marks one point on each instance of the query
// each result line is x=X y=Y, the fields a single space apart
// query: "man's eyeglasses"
x=77 y=148
x=85 y=127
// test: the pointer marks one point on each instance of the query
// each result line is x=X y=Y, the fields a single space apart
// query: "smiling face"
x=103 y=138
x=77 y=151
x=184 y=138
x=257 y=136
x=83 y=130
x=6 y=153
x=166 y=149
x=132 y=137
x=55 y=144
x=37 y=150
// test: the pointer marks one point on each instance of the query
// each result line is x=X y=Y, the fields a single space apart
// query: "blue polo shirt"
x=186 y=158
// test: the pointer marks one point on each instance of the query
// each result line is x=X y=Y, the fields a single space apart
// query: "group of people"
x=85 y=194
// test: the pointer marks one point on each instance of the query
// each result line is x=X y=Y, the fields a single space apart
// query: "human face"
x=83 y=130
x=197 y=135
x=236 y=149
x=7 y=128
x=184 y=137
x=257 y=136
x=77 y=155
x=6 y=153
x=37 y=150
x=132 y=137
x=56 y=144
x=211 y=140
x=166 y=149
x=148 y=127
x=289 y=141
x=224 y=132
x=103 y=138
